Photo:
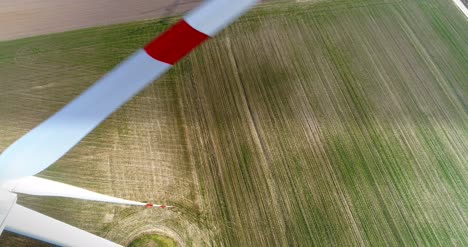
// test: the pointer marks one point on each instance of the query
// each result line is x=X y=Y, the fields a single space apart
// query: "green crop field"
x=328 y=123
x=153 y=241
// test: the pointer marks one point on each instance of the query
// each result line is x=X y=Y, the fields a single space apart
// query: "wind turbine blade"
x=52 y=139
x=43 y=187
x=32 y=224
x=49 y=141
x=7 y=200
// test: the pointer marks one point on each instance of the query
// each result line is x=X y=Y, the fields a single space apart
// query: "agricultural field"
x=329 y=123
x=154 y=241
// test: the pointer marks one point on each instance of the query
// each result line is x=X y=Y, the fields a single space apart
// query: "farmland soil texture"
x=329 y=123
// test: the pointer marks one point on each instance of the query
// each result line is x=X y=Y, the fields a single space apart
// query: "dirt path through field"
x=26 y=18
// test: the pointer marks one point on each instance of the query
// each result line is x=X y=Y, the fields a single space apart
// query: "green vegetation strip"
x=153 y=240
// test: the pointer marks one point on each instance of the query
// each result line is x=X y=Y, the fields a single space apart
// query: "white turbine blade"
x=214 y=15
x=43 y=187
x=462 y=7
x=7 y=200
x=32 y=224
x=52 y=139
x=49 y=141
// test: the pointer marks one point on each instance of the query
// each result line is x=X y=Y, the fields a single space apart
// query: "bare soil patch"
x=35 y=17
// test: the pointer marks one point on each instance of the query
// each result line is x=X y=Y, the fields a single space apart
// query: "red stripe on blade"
x=175 y=43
